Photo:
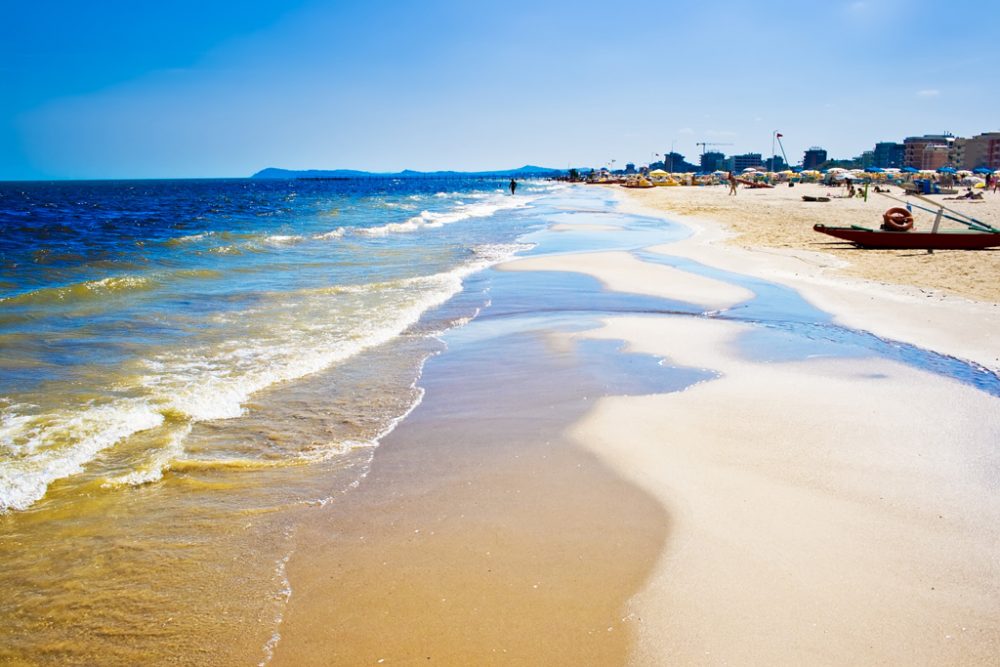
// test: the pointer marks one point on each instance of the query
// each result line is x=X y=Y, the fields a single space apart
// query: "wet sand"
x=808 y=511
x=814 y=518
x=482 y=534
x=948 y=301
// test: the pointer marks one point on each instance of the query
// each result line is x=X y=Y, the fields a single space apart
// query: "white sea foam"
x=280 y=598
x=57 y=445
x=282 y=239
x=215 y=383
x=225 y=250
x=436 y=219
x=192 y=238
x=461 y=210
x=306 y=331
x=159 y=462
x=332 y=234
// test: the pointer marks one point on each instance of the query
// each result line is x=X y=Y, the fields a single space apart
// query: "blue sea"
x=135 y=310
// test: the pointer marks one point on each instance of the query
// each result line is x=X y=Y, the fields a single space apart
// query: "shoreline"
x=873 y=300
x=480 y=534
x=811 y=519
x=736 y=518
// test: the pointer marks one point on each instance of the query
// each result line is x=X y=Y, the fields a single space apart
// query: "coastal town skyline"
x=196 y=90
x=919 y=152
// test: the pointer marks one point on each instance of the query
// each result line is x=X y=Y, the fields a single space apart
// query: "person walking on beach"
x=732 y=183
x=513 y=185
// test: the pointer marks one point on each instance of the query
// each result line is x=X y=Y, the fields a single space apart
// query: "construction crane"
x=709 y=143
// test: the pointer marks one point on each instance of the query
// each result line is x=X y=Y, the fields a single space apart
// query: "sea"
x=181 y=361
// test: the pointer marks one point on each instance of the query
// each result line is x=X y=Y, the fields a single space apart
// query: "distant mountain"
x=524 y=172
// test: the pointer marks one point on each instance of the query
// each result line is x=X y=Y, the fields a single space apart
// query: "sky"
x=125 y=89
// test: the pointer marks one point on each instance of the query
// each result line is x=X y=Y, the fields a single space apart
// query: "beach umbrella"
x=657 y=172
x=875 y=170
x=748 y=170
x=982 y=170
x=910 y=170
x=947 y=170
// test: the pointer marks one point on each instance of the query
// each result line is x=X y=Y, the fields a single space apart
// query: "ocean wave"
x=225 y=250
x=214 y=383
x=190 y=238
x=332 y=234
x=436 y=219
x=91 y=289
x=49 y=447
x=283 y=239
x=431 y=219
x=467 y=195
x=157 y=463
x=109 y=289
x=216 y=380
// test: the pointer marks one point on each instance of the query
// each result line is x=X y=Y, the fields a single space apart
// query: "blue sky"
x=116 y=89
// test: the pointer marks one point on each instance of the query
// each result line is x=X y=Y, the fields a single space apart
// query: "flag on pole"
x=780 y=135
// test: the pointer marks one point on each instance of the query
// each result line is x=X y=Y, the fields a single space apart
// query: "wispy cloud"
x=928 y=92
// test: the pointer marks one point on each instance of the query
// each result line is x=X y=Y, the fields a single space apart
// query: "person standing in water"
x=513 y=185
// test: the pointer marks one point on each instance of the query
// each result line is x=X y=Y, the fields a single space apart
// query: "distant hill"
x=523 y=172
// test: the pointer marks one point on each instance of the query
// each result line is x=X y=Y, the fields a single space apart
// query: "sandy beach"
x=948 y=300
x=806 y=509
x=778 y=219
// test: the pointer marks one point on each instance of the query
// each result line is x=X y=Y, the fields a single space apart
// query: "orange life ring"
x=897 y=220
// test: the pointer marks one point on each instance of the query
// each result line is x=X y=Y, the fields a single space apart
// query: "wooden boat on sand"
x=946 y=240
x=896 y=232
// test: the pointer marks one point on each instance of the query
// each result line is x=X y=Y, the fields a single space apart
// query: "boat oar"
x=974 y=225
x=951 y=210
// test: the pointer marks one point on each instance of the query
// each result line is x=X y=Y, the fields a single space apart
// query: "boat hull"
x=867 y=238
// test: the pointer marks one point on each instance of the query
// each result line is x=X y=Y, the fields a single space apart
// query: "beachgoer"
x=732 y=183
x=513 y=185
